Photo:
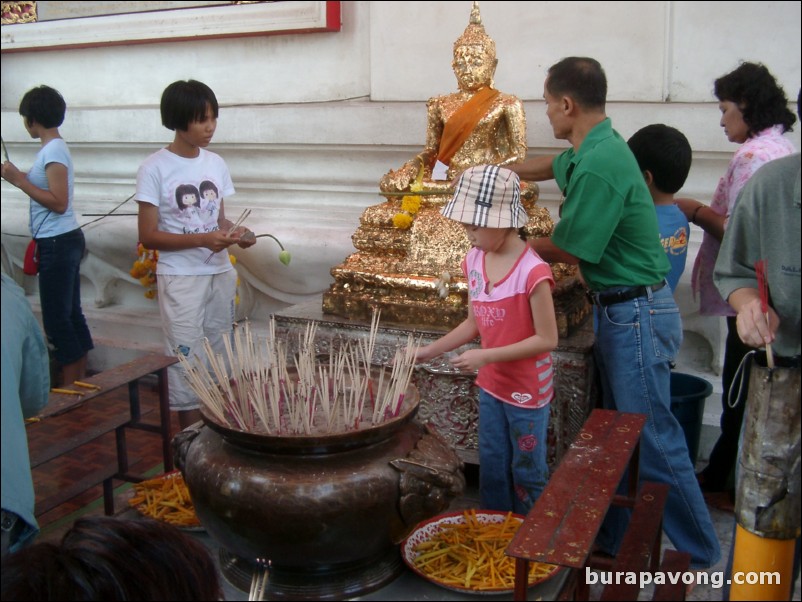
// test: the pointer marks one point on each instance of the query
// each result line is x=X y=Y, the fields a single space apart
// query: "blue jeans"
x=60 y=295
x=635 y=343
x=512 y=454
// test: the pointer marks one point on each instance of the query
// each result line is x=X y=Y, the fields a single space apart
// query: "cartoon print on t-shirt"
x=676 y=244
x=198 y=207
x=209 y=194
x=187 y=197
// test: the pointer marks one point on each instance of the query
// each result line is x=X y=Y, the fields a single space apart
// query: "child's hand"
x=424 y=354
x=470 y=361
x=218 y=240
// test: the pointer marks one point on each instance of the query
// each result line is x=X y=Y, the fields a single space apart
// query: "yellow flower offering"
x=410 y=204
x=144 y=269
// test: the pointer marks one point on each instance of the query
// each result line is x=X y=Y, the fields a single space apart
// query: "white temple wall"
x=310 y=122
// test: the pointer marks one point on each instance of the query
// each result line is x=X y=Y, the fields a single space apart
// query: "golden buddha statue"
x=408 y=255
x=476 y=126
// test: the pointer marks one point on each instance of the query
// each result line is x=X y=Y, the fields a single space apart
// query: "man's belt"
x=606 y=298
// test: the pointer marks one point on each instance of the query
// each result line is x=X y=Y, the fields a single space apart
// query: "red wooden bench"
x=562 y=526
x=673 y=562
x=96 y=415
x=640 y=547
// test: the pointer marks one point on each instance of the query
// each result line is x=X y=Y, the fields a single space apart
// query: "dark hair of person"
x=581 y=78
x=107 y=558
x=44 y=105
x=760 y=98
x=184 y=102
x=665 y=152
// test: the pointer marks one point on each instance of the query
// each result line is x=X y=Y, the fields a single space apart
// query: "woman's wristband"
x=695 y=211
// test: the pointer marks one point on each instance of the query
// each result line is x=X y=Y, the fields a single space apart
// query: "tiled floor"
x=146 y=448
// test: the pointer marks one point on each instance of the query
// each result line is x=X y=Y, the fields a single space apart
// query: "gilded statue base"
x=400 y=271
x=449 y=398
x=418 y=304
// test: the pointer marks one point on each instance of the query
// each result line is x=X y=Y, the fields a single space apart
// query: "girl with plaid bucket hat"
x=512 y=312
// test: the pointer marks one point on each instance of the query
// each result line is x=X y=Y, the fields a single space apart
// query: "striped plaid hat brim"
x=487 y=196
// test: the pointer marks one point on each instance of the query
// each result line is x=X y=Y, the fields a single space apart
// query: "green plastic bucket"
x=688 y=394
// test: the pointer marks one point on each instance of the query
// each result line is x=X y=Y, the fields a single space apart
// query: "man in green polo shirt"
x=608 y=226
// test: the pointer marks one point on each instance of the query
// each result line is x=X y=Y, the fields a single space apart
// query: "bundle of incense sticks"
x=243 y=216
x=256 y=386
x=259 y=579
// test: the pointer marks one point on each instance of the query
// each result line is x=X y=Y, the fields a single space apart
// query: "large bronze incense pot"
x=326 y=509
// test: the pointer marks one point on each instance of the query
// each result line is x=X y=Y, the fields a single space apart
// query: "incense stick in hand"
x=236 y=225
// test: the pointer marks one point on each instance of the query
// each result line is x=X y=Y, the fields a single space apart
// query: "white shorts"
x=194 y=308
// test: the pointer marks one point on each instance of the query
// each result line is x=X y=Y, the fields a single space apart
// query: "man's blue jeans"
x=512 y=454
x=635 y=343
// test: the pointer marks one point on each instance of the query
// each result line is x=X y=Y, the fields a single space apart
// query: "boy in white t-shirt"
x=512 y=311
x=196 y=281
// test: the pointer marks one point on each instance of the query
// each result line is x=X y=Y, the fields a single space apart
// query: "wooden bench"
x=673 y=562
x=640 y=547
x=104 y=475
x=96 y=414
x=562 y=526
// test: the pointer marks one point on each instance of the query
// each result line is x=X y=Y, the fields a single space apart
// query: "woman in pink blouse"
x=754 y=114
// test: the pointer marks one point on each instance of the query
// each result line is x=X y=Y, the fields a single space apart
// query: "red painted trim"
x=333 y=15
x=333 y=23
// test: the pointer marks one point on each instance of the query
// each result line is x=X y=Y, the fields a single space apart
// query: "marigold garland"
x=402 y=221
x=410 y=204
x=144 y=269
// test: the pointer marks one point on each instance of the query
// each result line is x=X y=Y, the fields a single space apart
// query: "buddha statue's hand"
x=397 y=180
